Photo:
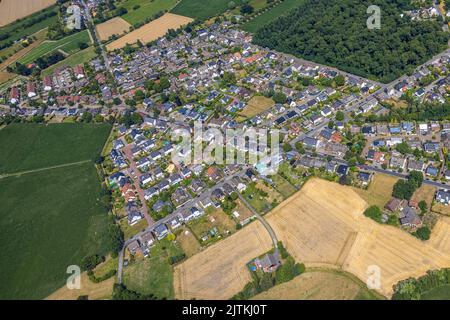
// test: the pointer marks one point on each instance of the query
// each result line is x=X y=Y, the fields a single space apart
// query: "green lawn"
x=283 y=186
x=17 y=30
x=281 y=9
x=78 y=58
x=49 y=221
x=147 y=9
x=69 y=44
x=198 y=9
x=256 y=199
x=439 y=293
x=154 y=274
x=33 y=146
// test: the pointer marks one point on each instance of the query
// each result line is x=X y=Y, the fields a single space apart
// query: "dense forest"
x=335 y=33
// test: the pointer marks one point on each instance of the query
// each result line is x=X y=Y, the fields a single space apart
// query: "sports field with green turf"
x=51 y=217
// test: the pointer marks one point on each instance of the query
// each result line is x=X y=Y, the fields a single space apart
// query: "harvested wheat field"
x=116 y=26
x=5 y=76
x=440 y=237
x=379 y=191
x=220 y=271
x=151 y=31
x=316 y=230
x=94 y=291
x=11 y=10
x=324 y=224
x=319 y=285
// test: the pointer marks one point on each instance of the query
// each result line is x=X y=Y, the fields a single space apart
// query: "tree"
x=229 y=78
x=340 y=116
x=83 y=45
x=403 y=148
x=416 y=178
x=90 y=262
x=300 y=148
x=339 y=80
x=231 y=5
x=247 y=9
x=423 y=233
x=287 y=147
x=115 y=237
x=403 y=189
x=86 y=117
x=374 y=213
x=279 y=97
x=423 y=206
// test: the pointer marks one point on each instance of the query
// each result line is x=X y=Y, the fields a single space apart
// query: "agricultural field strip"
x=333 y=233
x=220 y=271
x=151 y=31
x=68 y=43
x=10 y=11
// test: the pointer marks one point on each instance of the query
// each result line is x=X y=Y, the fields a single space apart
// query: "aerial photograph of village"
x=224 y=150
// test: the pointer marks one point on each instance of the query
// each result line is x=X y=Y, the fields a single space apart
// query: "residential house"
x=394 y=204
x=409 y=217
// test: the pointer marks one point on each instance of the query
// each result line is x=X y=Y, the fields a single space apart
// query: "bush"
x=177 y=258
x=90 y=262
x=374 y=213
x=282 y=250
x=120 y=292
x=423 y=233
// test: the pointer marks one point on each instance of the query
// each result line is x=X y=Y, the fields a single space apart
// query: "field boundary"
x=18 y=174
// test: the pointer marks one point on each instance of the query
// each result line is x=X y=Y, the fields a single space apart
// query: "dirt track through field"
x=11 y=10
x=151 y=31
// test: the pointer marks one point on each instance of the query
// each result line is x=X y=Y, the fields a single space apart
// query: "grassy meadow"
x=35 y=146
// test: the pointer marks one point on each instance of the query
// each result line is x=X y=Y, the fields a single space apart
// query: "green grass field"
x=69 y=44
x=154 y=274
x=17 y=30
x=33 y=146
x=198 y=9
x=73 y=60
x=147 y=9
x=439 y=293
x=283 y=186
x=283 y=8
x=50 y=219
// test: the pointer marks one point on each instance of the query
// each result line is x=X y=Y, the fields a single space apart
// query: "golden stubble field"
x=94 y=291
x=114 y=26
x=220 y=271
x=11 y=10
x=324 y=225
x=319 y=285
x=151 y=31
